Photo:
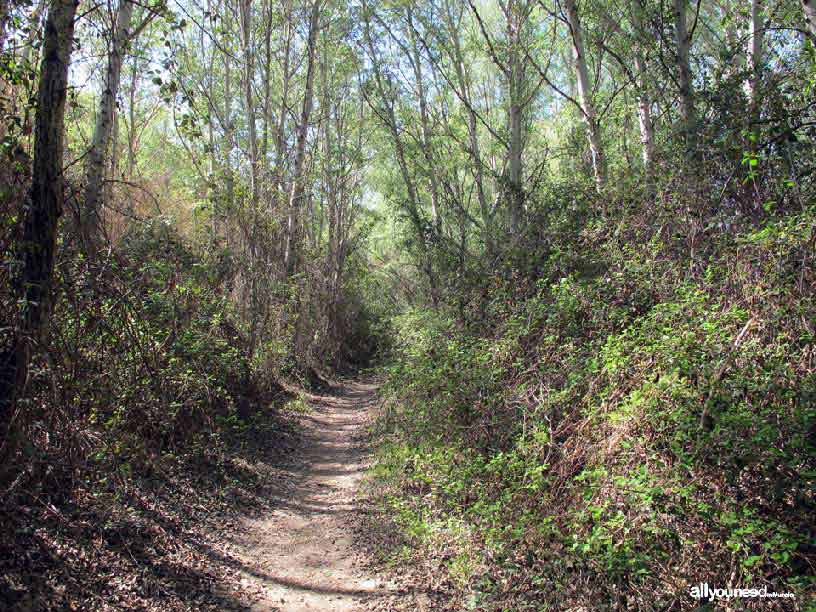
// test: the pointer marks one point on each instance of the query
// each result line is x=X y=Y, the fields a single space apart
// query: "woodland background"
x=575 y=239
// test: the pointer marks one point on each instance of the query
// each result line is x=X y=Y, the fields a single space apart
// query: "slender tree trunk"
x=131 y=131
x=688 y=113
x=280 y=137
x=114 y=162
x=731 y=61
x=330 y=206
x=252 y=303
x=249 y=103
x=28 y=58
x=213 y=166
x=4 y=86
x=463 y=77
x=229 y=137
x=585 y=95
x=34 y=34
x=95 y=169
x=267 y=99
x=756 y=33
x=413 y=204
x=426 y=128
x=298 y=180
x=3 y=18
x=515 y=169
x=516 y=15
x=644 y=106
x=37 y=249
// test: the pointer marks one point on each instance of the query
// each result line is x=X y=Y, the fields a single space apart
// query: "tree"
x=514 y=65
x=585 y=94
x=463 y=88
x=643 y=100
x=298 y=179
x=97 y=154
x=756 y=32
x=36 y=250
x=682 y=41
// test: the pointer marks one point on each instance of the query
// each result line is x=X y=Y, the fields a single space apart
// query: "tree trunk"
x=280 y=137
x=644 y=106
x=249 y=104
x=4 y=8
x=296 y=193
x=95 y=169
x=463 y=77
x=251 y=301
x=267 y=77
x=36 y=250
x=585 y=96
x=114 y=161
x=688 y=114
x=4 y=86
x=229 y=135
x=413 y=203
x=131 y=128
x=33 y=34
x=426 y=128
x=756 y=32
x=28 y=59
x=516 y=15
x=516 y=189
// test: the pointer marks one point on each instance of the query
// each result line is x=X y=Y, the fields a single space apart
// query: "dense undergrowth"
x=607 y=422
x=148 y=424
x=146 y=358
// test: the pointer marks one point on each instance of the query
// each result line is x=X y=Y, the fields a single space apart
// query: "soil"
x=272 y=522
x=301 y=555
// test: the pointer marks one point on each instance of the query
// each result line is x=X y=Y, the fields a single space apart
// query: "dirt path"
x=300 y=556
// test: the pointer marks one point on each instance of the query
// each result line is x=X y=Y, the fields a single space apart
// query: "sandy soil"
x=300 y=556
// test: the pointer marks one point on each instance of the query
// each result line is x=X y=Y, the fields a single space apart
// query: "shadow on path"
x=299 y=556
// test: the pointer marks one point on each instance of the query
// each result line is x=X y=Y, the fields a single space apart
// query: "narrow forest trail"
x=301 y=555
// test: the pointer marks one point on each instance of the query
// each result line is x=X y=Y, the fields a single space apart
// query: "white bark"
x=386 y=94
x=245 y=13
x=95 y=169
x=515 y=72
x=131 y=124
x=283 y=111
x=688 y=114
x=463 y=78
x=643 y=101
x=33 y=34
x=514 y=158
x=4 y=4
x=229 y=131
x=585 y=95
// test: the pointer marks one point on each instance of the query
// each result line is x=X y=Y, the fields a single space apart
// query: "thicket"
x=620 y=403
x=608 y=422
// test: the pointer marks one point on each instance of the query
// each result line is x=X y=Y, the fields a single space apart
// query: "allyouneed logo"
x=703 y=591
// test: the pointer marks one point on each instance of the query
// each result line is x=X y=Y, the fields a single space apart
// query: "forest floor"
x=278 y=524
x=303 y=555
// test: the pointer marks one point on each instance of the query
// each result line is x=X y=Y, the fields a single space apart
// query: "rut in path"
x=300 y=556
